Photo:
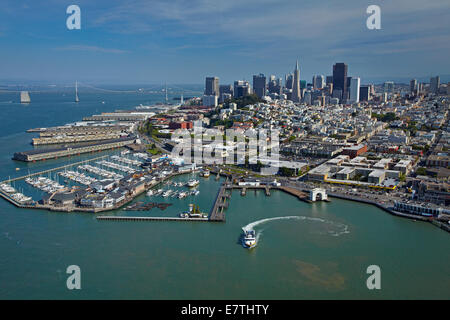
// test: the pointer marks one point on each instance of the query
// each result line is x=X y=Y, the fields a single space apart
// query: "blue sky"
x=182 y=41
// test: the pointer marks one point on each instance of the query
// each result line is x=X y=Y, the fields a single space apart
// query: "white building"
x=355 y=84
x=210 y=101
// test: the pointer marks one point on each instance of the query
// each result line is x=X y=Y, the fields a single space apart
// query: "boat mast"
x=76 y=92
x=166 y=94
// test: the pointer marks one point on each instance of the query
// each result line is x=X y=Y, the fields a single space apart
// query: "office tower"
x=347 y=95
x=364 y=93
x=354 y=89
x=329 y=79
x=340 y=79
x=259 y=85
x=302 y=84
x=241 y=88
x=389 y=86
x=434 y=84
x=289 y=80
x=272 y=78
x=448 y=88
x=275 y=86
x=212 y=86
x=296 y=94
x=318 y=82
x=225 y=91
x=413 y=86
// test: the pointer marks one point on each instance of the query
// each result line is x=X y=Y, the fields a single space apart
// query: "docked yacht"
x=167 y=193
x=150 y=192
x=182 y=195
x=249 y=240
x=205 y=173
x=192 y=183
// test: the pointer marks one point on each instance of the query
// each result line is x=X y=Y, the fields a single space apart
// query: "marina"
x=116 y=166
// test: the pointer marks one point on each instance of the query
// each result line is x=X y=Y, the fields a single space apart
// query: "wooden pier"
x=124 y=218
x=303 y=196
x=220 y=204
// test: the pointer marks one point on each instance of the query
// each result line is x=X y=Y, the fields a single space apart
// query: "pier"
x=44 y=154
x=220 y=204
x=123 y=218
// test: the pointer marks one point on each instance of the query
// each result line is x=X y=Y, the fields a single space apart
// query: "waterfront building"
x=259 y=85
x=340 y=80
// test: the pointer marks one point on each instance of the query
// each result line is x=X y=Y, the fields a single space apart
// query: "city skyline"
x=141 y=42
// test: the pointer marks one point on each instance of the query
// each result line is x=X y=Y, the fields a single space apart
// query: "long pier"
x=217 y=213
x=124 y=218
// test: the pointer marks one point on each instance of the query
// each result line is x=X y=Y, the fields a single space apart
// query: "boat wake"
x=332 y=228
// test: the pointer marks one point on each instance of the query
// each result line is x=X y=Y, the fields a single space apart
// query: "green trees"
x=245 y=100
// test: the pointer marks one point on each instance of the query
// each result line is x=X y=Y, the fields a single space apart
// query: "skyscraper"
x=413 y=86
x=241 y=88
x=225 y=92
x=354 y=89
x=259 y=85
x=329 y=79
x=364 y=93
x=434 y=84
x=318 y=81
x=212 y=86
x=296 y=94
x=340 y=79
x=288 y=81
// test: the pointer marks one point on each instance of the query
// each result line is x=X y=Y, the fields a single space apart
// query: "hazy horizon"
x=137 y=41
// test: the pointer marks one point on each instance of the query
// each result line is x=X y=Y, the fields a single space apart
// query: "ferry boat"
x=192 y=183
x=249 y=240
